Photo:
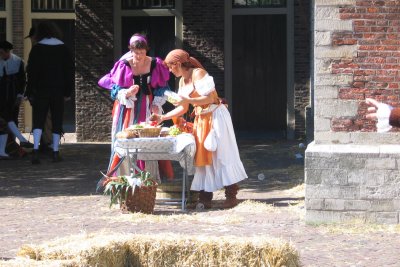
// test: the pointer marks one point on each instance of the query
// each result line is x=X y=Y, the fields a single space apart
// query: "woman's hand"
x=183 y=101
x=372 y=111
x=380 y=112
x=155 y=109
x=156 y=118
x=132 y=91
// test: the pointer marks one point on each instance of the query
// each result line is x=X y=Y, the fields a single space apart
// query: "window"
x=258 y=3
x=53 y=5
x=148 y=4
x=3 y=31
x=2 y=5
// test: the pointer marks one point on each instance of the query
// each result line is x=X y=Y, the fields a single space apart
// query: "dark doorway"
x=160 y=32
x=259 y=90
x=67 y=28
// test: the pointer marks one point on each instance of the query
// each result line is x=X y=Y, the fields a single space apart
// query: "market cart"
x=180 y=148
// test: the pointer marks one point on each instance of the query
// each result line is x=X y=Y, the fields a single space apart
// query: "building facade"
x=257 y=51
x=352 y=172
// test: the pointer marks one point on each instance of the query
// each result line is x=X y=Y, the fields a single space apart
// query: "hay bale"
x=23 y=262
x=168 y=250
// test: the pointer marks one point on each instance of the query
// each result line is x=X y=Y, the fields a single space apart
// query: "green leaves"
x=118 y=188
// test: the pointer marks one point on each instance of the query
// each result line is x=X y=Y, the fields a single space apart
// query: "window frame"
x=125 y=6
x=59 y=10
x=259 y=5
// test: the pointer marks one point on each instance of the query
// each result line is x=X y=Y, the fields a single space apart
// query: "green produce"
x=174 y=131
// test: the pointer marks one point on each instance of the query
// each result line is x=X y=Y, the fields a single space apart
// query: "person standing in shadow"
x=45 y=145
x=50 y=82
x=12 y=85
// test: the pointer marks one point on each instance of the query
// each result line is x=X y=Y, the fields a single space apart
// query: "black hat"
x=6 y=45
x=31 y=33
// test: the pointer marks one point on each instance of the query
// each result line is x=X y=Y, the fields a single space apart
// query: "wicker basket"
x=150 y=132
x=142 y=200
x=127 y=134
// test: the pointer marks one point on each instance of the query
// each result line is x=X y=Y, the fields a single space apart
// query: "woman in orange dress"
x=217 y=159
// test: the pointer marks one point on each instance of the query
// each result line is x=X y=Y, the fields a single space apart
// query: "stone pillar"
x=351 y=171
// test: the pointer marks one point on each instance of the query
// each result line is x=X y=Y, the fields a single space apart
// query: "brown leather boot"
x=205 y=199
x=230 y=194
x=203 y=202
x=194 y=200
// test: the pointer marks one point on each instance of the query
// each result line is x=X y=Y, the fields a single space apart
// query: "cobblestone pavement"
x=49 y=201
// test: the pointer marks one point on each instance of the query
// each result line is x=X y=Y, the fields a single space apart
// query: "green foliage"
x=118 y=187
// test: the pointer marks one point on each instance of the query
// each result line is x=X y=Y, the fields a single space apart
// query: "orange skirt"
x=201 y=128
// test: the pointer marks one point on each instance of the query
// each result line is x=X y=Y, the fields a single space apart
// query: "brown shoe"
x=204 y=201
x=56 y=156
x=35 y=157
x=230 y=194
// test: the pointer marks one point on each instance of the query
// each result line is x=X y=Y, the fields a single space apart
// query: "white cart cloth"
x=160 y=148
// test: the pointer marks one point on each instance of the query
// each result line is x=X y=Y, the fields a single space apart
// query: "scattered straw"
x=255 y=207
x=298 y=190
x=357 y=227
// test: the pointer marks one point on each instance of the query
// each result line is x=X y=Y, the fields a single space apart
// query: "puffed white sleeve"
x=159 y=101
x=205 y=85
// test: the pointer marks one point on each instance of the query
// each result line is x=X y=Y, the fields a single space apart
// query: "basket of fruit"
x=130 y=132
x=150 y=131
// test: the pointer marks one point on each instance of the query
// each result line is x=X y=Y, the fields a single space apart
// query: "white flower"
x=131 y=180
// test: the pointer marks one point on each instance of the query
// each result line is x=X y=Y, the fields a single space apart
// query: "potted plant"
x=135 y=193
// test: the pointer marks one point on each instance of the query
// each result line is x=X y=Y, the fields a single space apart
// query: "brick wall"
x=203 y=36
x=18 y=27
x=302 y=37
x=94 y=57
x=18 y=42
x=374 y=68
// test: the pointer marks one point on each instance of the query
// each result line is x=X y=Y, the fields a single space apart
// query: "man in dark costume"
x=12 y=85
x=50 y=82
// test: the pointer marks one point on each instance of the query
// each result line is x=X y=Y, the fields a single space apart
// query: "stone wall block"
x=381 y=164
x=322 y=38
x=322 y=125
x=314 y=204
x=333 y=25
x=313 y=176
x=339 y=52
x=323 y=66
x=357 y=205
x=330 y=108
x=326 y=92
x=323 y=192
x=323 y=163
x=334 y=177
x=383 y=217
x=379 y=192
x=334 y=204
x=333 y=80
x=354 y=163
x=382 y=205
